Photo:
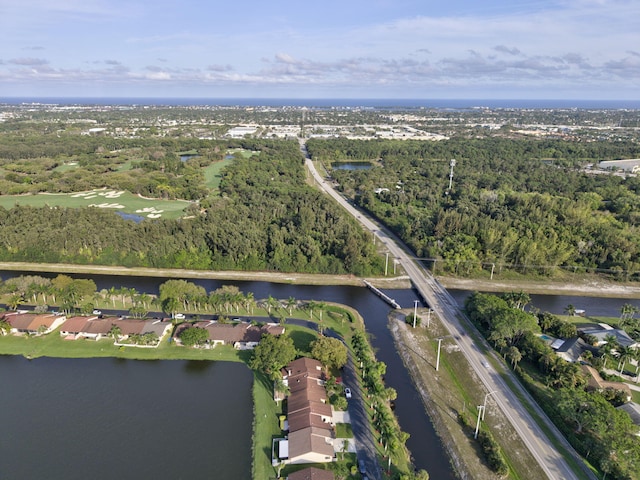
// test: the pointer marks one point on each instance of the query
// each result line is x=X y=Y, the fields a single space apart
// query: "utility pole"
x=438 y=356
x=480 y=412
x=386 y=264
x=415 y=312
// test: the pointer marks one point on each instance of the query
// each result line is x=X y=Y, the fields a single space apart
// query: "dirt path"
x=585 y=287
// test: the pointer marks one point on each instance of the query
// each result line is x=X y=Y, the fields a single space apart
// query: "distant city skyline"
x=546 y=49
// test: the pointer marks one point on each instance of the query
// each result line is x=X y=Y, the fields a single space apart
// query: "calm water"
x=445 y=103
x=351 y=166
x=108 y=418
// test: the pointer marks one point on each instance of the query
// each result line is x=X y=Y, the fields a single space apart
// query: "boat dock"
x=382 y=295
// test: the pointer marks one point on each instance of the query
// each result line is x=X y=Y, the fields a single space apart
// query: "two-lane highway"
x=550 y=460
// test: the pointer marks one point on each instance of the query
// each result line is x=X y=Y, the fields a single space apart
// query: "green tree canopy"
x=272 y=353
x=330 y=351
x=193 y=336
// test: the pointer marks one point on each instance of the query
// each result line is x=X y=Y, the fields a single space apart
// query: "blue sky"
x=547 y=49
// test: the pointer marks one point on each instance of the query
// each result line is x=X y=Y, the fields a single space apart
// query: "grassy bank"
x=453 y=391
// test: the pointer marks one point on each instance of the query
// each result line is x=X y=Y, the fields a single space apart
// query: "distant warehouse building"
x=631 y=165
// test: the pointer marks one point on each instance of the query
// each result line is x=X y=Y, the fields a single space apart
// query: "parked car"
x=178 y=316
x=347 y=392
x=361 y=467
x=97 y=312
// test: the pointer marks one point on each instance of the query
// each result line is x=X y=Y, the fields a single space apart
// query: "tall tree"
x=272 y=353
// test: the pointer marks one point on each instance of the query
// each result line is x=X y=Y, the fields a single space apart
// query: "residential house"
x=571 y=349
x=601 y=331
x=242 y=336
x=96 y=328
x=73 y=326
x=309 y=414
x=310 y=445
x=303 y=367
x=595 y=382
x=633 y=409
x=311 y=473
x=135 y=326
x=33 y=323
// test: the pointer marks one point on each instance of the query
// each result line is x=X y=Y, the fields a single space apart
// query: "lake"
x=109 y=418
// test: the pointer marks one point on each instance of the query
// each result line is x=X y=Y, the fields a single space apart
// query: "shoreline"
x=585 y=287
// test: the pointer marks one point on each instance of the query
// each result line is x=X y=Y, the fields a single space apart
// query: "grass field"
x=116 y=200
x=212 y=173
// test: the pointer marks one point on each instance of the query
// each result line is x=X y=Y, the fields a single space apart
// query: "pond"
x=351 y=166
x=107 y=418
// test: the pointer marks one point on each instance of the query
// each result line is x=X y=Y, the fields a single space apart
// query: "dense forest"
x=264 y=216
x=527 y=205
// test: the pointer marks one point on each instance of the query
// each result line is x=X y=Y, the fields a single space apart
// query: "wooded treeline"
x=266 y=218
x=529 y=205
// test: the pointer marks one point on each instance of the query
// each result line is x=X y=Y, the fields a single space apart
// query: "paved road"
x=550 y=460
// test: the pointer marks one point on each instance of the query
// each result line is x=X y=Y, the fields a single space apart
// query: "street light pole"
x=480 y=412
x=438 y=356
x=429 y=317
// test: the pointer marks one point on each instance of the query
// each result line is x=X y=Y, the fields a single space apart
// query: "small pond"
x=351 y=165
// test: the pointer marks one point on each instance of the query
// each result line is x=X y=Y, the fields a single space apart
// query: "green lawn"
x=212 y=173
x=66 y=167
x=116 y=200
x=343 y=430
x=53 y=345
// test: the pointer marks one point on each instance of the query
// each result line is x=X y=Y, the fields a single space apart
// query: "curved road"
x=550 y=460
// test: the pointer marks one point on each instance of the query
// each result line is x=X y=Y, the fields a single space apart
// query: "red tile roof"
x=311 y=473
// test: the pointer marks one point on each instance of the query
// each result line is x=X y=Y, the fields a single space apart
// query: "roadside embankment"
x=455 y=390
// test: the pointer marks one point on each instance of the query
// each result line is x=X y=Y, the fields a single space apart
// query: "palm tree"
x=115 y=332
x=624 y=355
x=627 y=311
x=570 y=310
x=291 y=302
x=112 y=292
x=5 y=327
x=249 y=302
x=310 y=305
x=271 y=303
x=14 y=300
x=514 y=354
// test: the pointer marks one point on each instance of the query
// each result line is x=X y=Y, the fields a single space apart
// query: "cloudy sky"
x=513 y=49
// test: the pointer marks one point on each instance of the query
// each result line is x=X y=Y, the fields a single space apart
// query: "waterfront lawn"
x=266 y=425
x=53 y=345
